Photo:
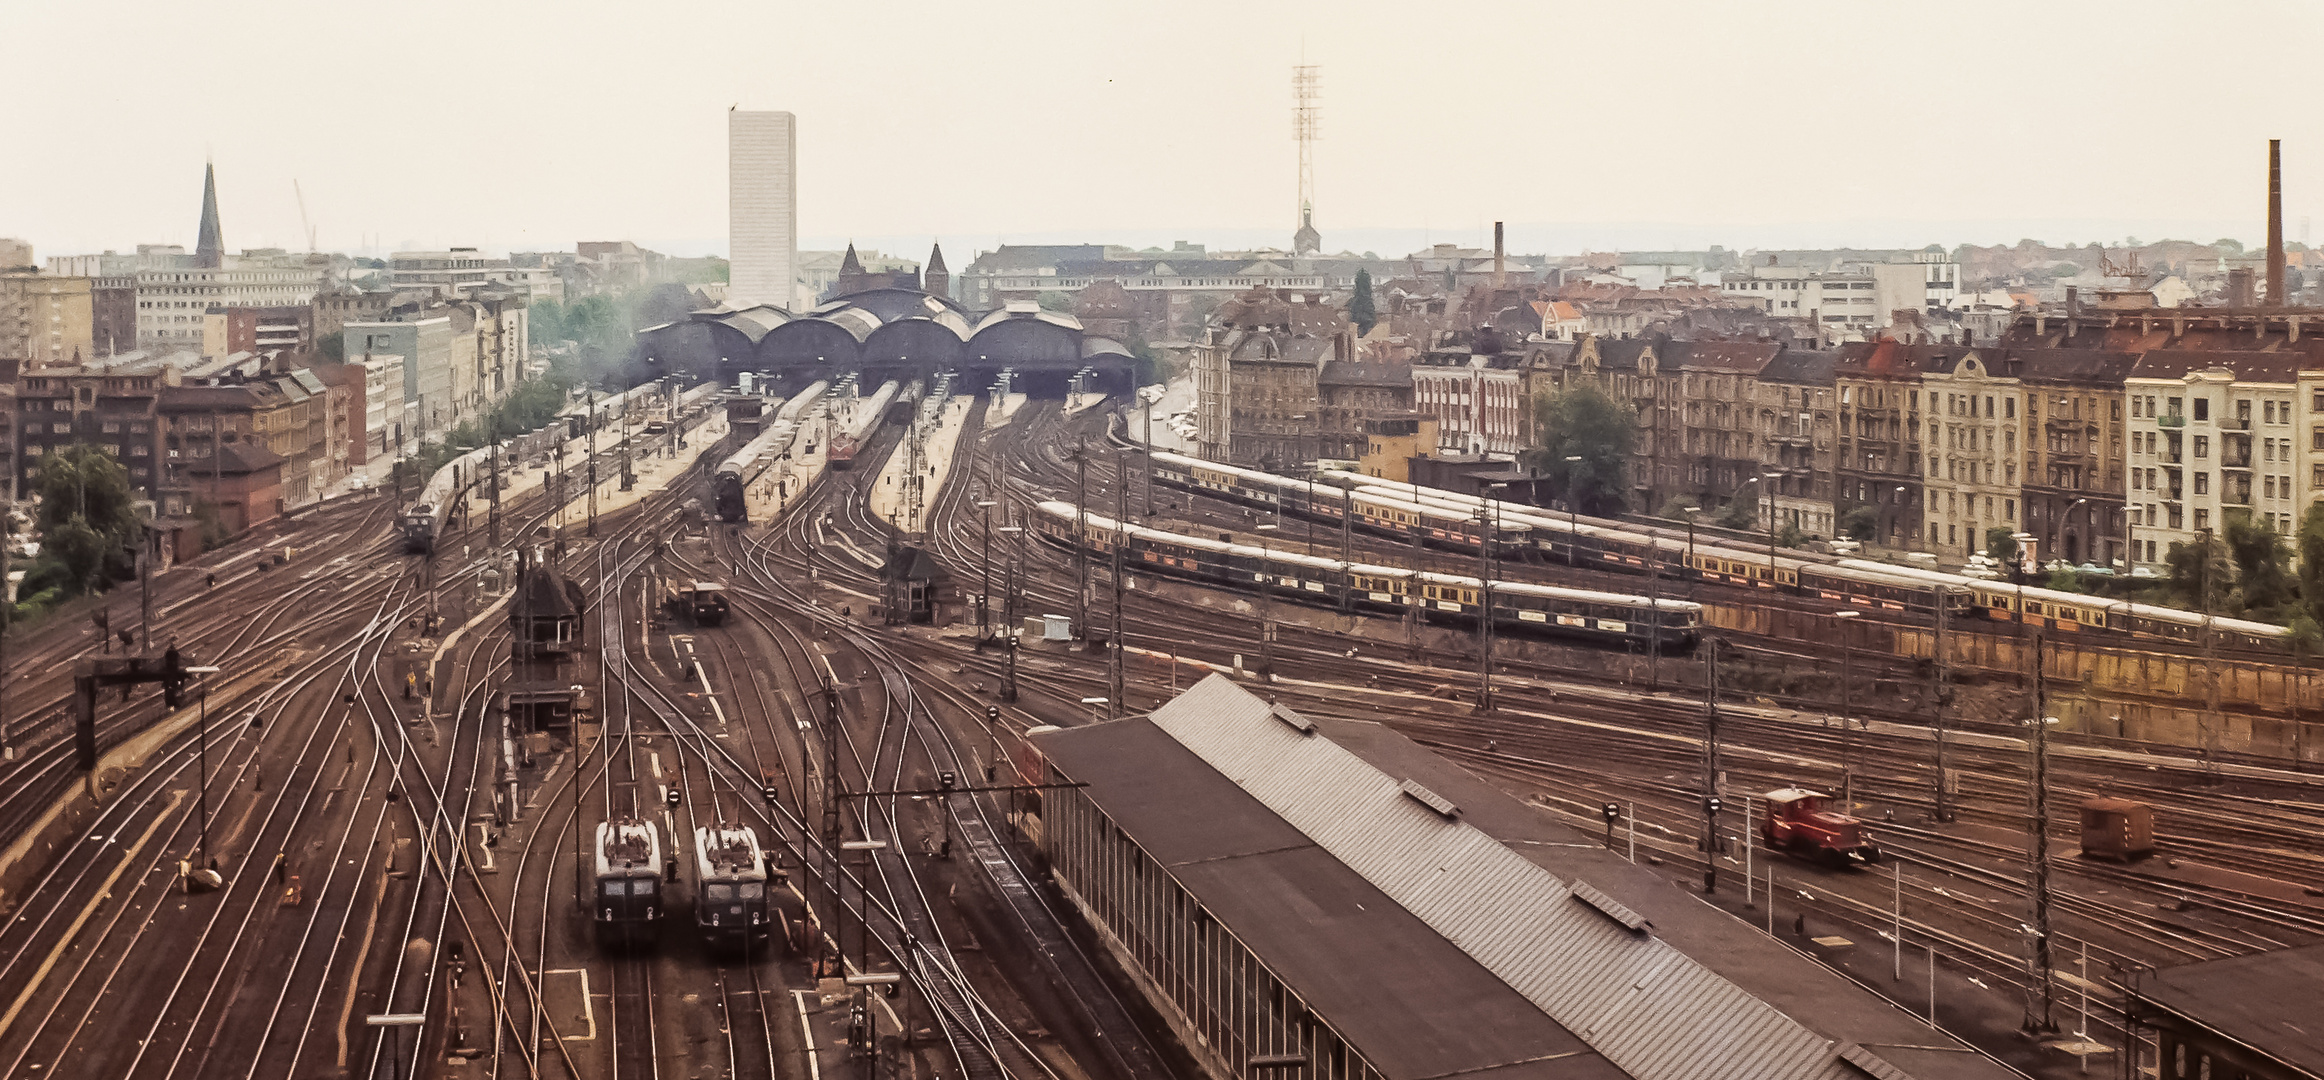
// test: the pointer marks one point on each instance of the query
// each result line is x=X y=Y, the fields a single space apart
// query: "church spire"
x=210 y=246
x=850 y=264
x=936 y=280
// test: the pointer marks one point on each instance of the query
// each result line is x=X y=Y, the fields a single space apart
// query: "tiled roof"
x=1728 y=357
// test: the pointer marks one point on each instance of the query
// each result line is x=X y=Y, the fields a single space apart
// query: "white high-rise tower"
x=762 y=213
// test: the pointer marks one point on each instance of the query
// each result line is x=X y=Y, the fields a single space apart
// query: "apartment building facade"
x=110 y=406
x=1878 y=458
x=45 y=320
x=1971 y=446
x=2212 y=435
x=2073 y=494
x=1793 y=401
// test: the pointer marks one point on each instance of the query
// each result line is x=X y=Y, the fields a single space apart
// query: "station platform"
x=891 y=495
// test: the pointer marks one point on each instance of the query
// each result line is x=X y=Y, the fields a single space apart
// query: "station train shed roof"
x=1446 y=927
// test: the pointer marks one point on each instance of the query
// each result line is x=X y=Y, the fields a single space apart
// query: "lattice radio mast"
x=1306 y=122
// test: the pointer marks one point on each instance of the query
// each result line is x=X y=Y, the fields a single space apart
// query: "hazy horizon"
x=1586 y=127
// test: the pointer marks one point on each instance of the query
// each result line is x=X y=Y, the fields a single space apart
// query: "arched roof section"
x=811 y=341
x=685 y=346
x=890 y=305
x=1099 y=348
x=922 y=342
x=1027 y=339
x=751 y=322
x=1026 y=312
x=844 y=314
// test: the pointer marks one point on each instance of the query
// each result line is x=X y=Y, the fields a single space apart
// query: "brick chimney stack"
x=1500 y=278
x=2275 y=223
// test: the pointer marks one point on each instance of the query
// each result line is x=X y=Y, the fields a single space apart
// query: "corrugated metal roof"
x=1648 y=1008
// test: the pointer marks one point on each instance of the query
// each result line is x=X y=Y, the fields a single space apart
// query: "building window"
x=2202 y=483
x=2202 y=446
x=2202 y=521
x=2202 y=408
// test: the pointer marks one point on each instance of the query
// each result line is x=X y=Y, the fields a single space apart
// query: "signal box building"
x=1325 y=899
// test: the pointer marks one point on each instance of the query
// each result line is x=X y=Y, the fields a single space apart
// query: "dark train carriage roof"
x=2266 y=1001
x=1410 y=1001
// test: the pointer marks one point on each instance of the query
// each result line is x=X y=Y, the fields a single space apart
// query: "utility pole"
x=1115 y=658
x=1413 y=601
x=492 y=520
x=1841 y=620
x=1711 y=770
x=1009 y=620
x=148 y=553
x=834 y=788
x=1081 y=541
x=1347 y=547
x=1266 y=600
x=1149 y=443
x=7 y=619
x=2210 y=666
x=984 y=597
x=589 y=394
x=1485 y=516
x=1654 y=617
x=1943 y=696
x=2040 y=992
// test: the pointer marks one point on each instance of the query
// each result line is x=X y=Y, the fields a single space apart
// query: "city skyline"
x=1967 y=135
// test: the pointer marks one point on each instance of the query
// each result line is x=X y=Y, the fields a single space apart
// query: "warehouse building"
x=1324 y=899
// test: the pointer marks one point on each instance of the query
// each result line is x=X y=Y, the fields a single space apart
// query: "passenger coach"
x=1612 y=618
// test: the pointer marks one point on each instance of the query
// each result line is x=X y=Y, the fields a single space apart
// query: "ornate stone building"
x=1972 y=446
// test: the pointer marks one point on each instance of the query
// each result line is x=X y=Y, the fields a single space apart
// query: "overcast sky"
x=1584 y=125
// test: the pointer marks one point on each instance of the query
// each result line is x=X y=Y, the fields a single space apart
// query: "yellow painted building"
x=45 y=321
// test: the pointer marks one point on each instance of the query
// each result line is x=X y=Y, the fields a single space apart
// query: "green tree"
x=2229 y=245
x=1056 y=301
x=2002 y=547
x=1361 y=310
x=1861 y=523
x=2311 y=543
x=2063 y=580
x=2264 y=585
x=2191 y=582
x=1676 y=509
x=1790 y=536
x=1741 y=514
x=88 y=514
x=1584 y=422
x=81 y=482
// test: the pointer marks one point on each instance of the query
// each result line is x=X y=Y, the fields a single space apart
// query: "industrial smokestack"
x=1501 y=278
x=2275 y=223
